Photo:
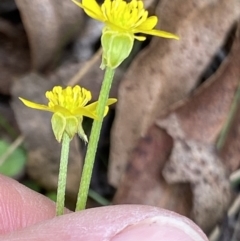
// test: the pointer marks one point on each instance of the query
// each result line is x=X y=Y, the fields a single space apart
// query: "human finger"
x=21 y=207
x=113 y=223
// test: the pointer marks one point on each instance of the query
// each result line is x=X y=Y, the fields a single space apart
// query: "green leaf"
x=15 y=162
x=98 y=198
x=32 y=185
x=52 y=196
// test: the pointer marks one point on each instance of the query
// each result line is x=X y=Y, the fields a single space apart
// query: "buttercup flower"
x=69 y=105
x=122 y=22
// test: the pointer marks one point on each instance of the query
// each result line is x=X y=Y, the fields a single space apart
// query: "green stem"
x=233 y=109
x=93 y=141
x=62 y=178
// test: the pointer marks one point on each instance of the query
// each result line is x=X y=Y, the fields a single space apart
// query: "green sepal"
x=116 y=48
x=71 y=126
x=81 y=132
x=58 y=125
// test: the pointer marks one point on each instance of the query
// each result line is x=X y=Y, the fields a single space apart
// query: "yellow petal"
x=111 y=101
x=35 y=105
x=142 y=19
x=62 y=110
x=90 y=110
x=78 y=3
x=106 y=111
x=140 y=38
x=83 y=111
x=92 y=107
x=91 y=8
x=149 y=24
x=159 y=33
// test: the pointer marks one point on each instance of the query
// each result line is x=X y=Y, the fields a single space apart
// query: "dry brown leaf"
x=142 y=183
x=195 y=126
x=149 y=3
x=198 y=164
x=13 y=46
x=50 y=25
x=168 y=70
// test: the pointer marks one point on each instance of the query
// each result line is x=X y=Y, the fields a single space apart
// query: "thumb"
x=167 y=226
x=113 y=223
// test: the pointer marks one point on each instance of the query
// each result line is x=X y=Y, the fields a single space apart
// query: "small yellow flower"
x=69 y=105
x=121 y=16
x=122 y=22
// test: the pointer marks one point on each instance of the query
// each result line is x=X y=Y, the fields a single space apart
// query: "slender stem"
x=223 y=135
x=62 y=178
x=93 y=141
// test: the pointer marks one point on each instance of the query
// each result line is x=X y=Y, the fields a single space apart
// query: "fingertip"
x=21 y=207
x=160 y=228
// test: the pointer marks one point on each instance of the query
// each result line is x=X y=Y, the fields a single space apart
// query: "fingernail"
x=161 y=228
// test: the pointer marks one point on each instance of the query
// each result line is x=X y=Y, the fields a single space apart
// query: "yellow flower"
x=121 y=16
x=69 y=105
x=122 y=22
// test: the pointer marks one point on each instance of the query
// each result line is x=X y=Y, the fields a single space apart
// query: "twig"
x=11 y=149
x=88 y=65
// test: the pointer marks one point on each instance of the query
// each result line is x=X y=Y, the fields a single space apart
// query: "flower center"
x=70 y=98
x=124 y=15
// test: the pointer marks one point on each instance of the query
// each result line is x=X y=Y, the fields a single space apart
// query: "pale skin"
x=27 y=215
